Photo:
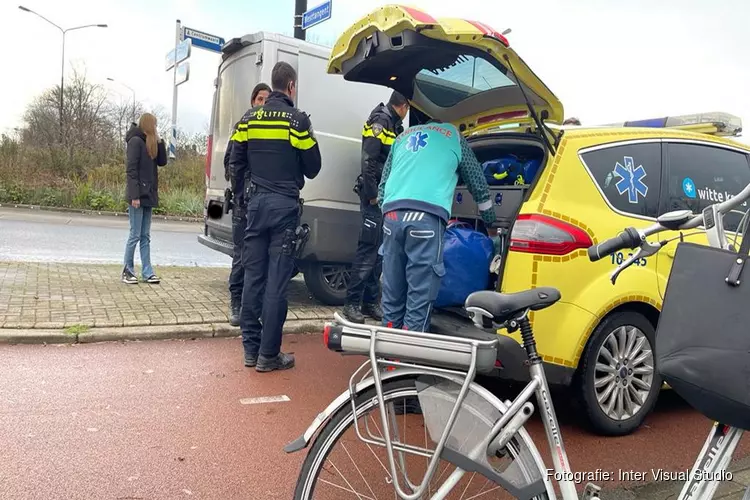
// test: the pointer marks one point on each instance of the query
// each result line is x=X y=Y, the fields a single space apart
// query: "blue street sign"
x=316 y=15
x=183 y=52
x=203 y=40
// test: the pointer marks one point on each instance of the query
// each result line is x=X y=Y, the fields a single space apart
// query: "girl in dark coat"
x=146 y=152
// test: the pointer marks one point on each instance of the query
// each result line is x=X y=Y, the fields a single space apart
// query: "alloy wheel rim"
x=336 y=277
x=624 y=372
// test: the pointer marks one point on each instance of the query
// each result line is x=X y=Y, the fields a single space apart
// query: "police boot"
x=373 y=310
x=352 y=313
x=234 y=312
x=281 y=361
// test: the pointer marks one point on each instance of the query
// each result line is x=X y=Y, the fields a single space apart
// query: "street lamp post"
x=64 y=31
x=132 y=114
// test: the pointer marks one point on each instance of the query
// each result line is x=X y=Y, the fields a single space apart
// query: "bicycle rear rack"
x=387 y=417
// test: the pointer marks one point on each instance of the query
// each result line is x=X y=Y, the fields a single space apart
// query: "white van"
x=338 y=109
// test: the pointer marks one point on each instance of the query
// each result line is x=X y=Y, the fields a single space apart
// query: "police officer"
x=276 y=144
x=379 y=132
x=239 y=221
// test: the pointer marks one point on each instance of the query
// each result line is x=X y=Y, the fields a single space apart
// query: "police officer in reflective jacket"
x=276 y=143
x=237 y=196
x=379 y=132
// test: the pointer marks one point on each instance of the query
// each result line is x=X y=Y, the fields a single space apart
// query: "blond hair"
x=147 y=123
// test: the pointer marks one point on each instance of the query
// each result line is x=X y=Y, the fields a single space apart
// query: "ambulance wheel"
x=617 y=382
x=327 y=281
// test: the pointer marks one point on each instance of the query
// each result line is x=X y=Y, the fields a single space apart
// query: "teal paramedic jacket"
x=423 y=168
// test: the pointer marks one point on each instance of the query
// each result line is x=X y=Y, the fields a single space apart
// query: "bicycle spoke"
x=342 y=488
x=351 y=488
x=359 y=471
x=467 y=486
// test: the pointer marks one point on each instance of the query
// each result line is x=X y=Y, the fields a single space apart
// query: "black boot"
x=234 y=312
x=373 y=310
x=282 y=361
x=352 y=313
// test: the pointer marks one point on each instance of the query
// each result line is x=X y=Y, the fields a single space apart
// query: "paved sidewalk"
x=56 y=296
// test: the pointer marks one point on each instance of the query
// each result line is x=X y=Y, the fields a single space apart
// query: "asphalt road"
x=171 y=420
x=38 y=236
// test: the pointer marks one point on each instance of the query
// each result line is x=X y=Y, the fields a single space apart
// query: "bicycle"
x=473 y=430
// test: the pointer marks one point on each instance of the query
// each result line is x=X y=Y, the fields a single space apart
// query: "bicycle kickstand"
x=591 y=492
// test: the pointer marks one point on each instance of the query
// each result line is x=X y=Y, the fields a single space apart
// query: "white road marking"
x=265 y=399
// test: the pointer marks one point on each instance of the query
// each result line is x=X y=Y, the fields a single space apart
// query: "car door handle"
x=670 y=251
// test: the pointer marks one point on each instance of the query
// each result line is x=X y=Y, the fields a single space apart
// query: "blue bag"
x=504 y=171
x=510 y=170
x=466 y=255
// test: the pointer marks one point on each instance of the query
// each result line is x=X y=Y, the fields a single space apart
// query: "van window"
x=629 y=176
x=699 y=175
x=467 y=76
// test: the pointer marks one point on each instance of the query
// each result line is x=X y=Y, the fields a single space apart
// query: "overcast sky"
x=606 y=60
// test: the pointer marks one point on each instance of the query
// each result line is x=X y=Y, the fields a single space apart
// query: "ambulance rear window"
x=466 y=77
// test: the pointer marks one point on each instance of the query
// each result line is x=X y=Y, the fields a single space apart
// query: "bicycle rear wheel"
x=340 y=465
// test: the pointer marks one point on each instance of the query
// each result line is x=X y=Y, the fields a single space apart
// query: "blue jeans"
x=412 y=253
x=140 y=232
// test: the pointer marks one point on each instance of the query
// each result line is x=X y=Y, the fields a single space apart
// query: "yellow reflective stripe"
x=385 y=131
x=267 y=123
x=239 y=136
x=303 y=144
x=299 y=134
x=271 y=133
x=386 y=140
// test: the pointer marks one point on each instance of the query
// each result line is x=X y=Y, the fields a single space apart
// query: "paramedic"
x=416 y=194
x=239 y=221
x=379 y=132
x=276 y=144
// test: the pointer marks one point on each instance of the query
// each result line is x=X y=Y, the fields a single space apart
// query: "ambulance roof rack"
x=714 y=123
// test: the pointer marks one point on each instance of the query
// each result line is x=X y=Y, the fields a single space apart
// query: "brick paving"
x=48 y=295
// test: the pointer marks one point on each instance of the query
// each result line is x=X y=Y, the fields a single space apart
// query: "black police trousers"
x=364 y=286
x=268 y=259
x=237 y=275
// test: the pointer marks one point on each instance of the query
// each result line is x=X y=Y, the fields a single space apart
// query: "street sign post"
x=183 y=52
x=316 y=15
x=185 y=39
x=204 y=40
x=183 y=73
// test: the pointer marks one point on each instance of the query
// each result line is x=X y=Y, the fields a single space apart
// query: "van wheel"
x=618 y=384
x=328 y=282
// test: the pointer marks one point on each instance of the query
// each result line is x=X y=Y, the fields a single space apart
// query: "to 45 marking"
x=618 y=258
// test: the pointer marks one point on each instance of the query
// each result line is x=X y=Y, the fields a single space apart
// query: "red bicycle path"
x=166 y=420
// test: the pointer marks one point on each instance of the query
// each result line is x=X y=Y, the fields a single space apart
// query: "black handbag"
x=703 y=335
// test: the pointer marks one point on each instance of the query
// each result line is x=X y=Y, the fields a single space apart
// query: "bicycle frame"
x=707 y=471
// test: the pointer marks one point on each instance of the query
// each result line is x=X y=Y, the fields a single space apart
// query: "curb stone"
x=174 y=218
x=203 y=330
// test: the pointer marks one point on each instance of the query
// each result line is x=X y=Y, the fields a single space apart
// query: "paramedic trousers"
x=268 y=259
x=237 y=275
x=368 y=264
x=412 y=267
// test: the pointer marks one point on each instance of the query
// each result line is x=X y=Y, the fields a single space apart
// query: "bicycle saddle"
x=505 y=306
